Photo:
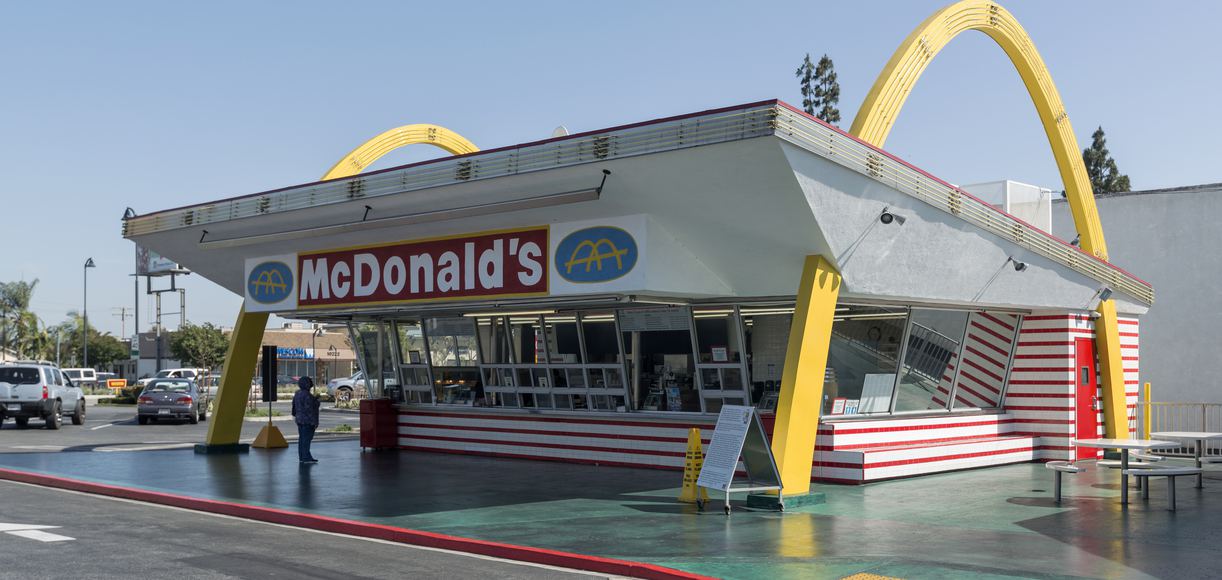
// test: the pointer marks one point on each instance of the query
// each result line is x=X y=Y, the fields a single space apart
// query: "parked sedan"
x=171 y=399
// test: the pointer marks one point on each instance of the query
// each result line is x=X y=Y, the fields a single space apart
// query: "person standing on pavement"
x=305 y=412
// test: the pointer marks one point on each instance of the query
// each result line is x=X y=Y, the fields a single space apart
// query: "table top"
x=1201 y=435
x=1124 y=443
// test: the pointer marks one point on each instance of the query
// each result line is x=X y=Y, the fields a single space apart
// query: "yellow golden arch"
x=797 y=412
x=226 y=425
x=884 y=101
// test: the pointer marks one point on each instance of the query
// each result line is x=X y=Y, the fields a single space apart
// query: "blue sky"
x=159 y=104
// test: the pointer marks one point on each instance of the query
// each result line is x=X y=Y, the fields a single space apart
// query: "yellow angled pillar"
x=797 y=412
x=1111 y=371
x=229 y=409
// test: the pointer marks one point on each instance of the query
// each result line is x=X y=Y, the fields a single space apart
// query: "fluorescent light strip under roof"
x=413 y=218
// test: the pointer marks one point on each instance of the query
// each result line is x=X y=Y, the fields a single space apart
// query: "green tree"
x=1104 y=176
x=20 y=329
x=103 y=348
x=820 y=89
x=202 y=345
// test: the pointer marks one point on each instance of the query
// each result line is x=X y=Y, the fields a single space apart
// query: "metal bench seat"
x=1058 y=468
x=1168 y=472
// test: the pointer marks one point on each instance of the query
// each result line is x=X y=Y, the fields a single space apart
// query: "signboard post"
x=739 y=434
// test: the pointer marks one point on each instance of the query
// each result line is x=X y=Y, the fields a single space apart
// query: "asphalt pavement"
x=110 y=429
x=49 y=533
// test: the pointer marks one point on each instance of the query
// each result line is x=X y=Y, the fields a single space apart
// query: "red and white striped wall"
x=1037 y=423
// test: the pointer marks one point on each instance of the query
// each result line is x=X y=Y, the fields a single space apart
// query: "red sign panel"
x=494 y=264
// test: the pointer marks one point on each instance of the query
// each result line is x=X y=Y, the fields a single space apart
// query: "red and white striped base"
x=1038 y=422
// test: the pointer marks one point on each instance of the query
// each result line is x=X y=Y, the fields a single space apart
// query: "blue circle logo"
x=270 y=282
x=597 y=254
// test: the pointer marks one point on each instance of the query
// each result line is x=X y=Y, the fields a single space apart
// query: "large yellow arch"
x=226 y=425
x=885 y=99
x=373 y=149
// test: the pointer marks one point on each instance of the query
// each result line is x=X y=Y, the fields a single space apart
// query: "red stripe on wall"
x=991 y=332
x=683 y=423
x=549 y=433
x=998 y=321
x=921 y=427
x=547 y=445
x=986 y=357
x=918 y=460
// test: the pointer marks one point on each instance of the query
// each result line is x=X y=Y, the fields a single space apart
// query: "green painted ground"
x=986 y=523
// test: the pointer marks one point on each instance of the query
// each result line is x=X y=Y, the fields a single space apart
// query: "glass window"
x=863 y=359
x=452 y=342
x=494 y=340
x=453 y=349
x=602 y=344
x=372 y=340
x=929 y=359
x=411 y=343
x=659 y=345
x=767 y=331
x=980 y=381
x=717 y=335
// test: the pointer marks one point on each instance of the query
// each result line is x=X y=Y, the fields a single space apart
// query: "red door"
x=1086 y=397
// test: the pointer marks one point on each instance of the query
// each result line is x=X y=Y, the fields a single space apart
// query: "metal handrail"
x=1164 y=416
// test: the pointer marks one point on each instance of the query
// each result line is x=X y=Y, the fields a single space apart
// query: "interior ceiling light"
x=509 y=313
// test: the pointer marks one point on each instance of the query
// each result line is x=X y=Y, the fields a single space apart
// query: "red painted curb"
x=363 y=529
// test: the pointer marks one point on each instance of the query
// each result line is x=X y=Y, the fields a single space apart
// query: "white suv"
x=39 y=389
x=82 y=377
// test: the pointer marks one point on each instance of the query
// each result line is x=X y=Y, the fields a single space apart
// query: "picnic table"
x=1199 y=436
x=1124 y=445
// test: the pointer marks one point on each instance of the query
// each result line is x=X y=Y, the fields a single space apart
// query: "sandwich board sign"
x=739 y=434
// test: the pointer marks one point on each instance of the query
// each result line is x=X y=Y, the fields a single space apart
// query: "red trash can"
x=379 y=424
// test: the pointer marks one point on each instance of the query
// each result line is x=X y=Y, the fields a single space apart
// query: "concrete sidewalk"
x=987 y=523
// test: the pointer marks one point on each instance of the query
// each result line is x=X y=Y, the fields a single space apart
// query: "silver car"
x=171 y=399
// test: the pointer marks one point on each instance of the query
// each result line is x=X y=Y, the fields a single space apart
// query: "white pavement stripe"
x=40 y=536
x=102 y=426
x=144 y=448
x=15 y=527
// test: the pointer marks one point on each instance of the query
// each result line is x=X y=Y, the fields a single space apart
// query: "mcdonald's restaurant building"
x=589 y=298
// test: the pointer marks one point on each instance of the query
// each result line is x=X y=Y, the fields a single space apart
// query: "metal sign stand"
x=739 y=434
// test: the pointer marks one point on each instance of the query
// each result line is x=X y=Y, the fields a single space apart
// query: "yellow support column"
x=229 y=408
x=1146 y=413
x=1111 y=372
x=797 y=412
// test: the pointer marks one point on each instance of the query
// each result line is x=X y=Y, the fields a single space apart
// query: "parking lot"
x=110 y=429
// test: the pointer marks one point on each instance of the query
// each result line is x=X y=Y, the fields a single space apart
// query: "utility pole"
x=123 y=315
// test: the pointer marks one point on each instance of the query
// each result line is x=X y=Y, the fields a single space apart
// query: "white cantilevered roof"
x=217 y=223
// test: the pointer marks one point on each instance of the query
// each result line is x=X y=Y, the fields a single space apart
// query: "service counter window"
x=414 y=375
x=659 y=346
x=934 y=341
x=454 y=352
x=988 y=349
x=863 y=359
x=376 y=357
x=766 y=329
x=604 y=360
x=720 y=368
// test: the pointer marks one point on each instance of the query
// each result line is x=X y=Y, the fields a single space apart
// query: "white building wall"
x=1170 y=238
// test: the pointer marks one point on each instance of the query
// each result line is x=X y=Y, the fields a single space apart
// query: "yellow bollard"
x=693 y=493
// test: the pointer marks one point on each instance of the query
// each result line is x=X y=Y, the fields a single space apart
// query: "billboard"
x=150 y=263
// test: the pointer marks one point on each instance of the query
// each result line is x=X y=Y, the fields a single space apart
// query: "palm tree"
x=14 y=306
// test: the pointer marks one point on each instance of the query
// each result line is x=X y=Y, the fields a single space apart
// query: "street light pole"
x=85 y=315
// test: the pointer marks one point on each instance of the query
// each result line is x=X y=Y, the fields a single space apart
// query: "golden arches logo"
x=269 y=282
x=595 y=257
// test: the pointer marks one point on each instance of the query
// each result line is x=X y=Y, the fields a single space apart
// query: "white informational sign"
x=647 y=319
x=876 y=393
x=728 y=437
